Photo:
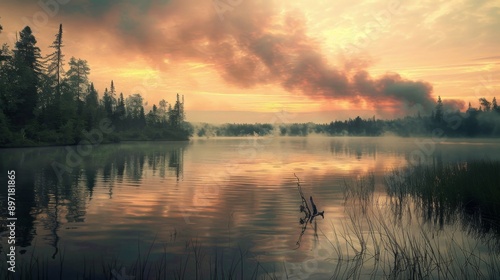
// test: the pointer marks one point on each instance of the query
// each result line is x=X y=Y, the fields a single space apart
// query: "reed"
x=423 y=227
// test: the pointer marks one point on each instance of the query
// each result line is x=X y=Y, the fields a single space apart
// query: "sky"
x=276 y=60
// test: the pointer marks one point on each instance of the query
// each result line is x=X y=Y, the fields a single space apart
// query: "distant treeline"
x=41 y=104
x=475 y=122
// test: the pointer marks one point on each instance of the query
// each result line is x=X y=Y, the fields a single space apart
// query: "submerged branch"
x=304 y=208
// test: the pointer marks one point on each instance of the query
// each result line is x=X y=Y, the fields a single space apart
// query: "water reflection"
x=46 y=202
x=221 y=192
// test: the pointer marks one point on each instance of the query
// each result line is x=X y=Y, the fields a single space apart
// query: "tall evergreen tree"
x=107 y=103
x=142 y=118
x=55 y=61
x=135 y=110
x=8 y=78
x=112 y=94
x=438 y=116
x=485 y=104
x=163 y=112
x=120 y=113
x=77 y=77
x=91 y=107
x=28 y=70
x=176 y=114
x=26 y=52
x=3 y=51
x=5 y=133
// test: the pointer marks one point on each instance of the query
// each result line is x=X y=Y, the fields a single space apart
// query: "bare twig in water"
x=308 y=214
x=304 y=205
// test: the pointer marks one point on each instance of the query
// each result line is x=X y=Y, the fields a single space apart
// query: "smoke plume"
x=249 y=43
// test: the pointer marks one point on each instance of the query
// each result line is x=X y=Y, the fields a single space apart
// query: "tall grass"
x=440 y=190
x=421 y=229
x=373 y=246
x=359 y=192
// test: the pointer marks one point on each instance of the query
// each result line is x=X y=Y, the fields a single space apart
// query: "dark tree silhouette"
x=485 y=104
x=77 y=77
x=438 y=116
x=27 y=71
x=107 y=102
x=55 y=61
x=91 y=107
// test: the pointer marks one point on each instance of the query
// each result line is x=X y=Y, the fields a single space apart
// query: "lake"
x=220 y=206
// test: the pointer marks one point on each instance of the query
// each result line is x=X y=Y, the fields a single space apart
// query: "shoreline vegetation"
x=418 y=228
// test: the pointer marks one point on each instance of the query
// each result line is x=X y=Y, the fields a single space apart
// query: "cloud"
x=406 y=95
x=249 y=43
x=452 y=105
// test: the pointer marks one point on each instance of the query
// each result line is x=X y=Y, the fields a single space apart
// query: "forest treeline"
x=483 y=121
x=42 y=104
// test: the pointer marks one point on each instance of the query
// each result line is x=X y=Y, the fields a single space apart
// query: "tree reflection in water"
x=52 y=201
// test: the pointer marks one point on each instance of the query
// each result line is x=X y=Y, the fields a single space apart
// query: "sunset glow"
x=242 y=61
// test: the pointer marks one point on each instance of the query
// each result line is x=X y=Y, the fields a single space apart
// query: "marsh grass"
x=359 y=192
x=439 y=191
x=423 y=228
x=375 y=246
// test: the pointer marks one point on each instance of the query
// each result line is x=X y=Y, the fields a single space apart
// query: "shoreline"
x=44 y=145
x=47 y=145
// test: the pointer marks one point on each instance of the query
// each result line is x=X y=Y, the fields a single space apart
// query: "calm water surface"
x=231 y=194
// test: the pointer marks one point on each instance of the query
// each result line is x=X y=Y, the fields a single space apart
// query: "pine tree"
x=135 y=110
x=176 y=115
x=438 y=116
x=120 y=112
x=112 y=94
x=55 y=61
x=91 y=107
x=107 y=104
x=142 y=118
x=77 y=77
x=162 y=112
x=485 y=104
x=1 y=57
x=28 y=69
x=7 y=78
